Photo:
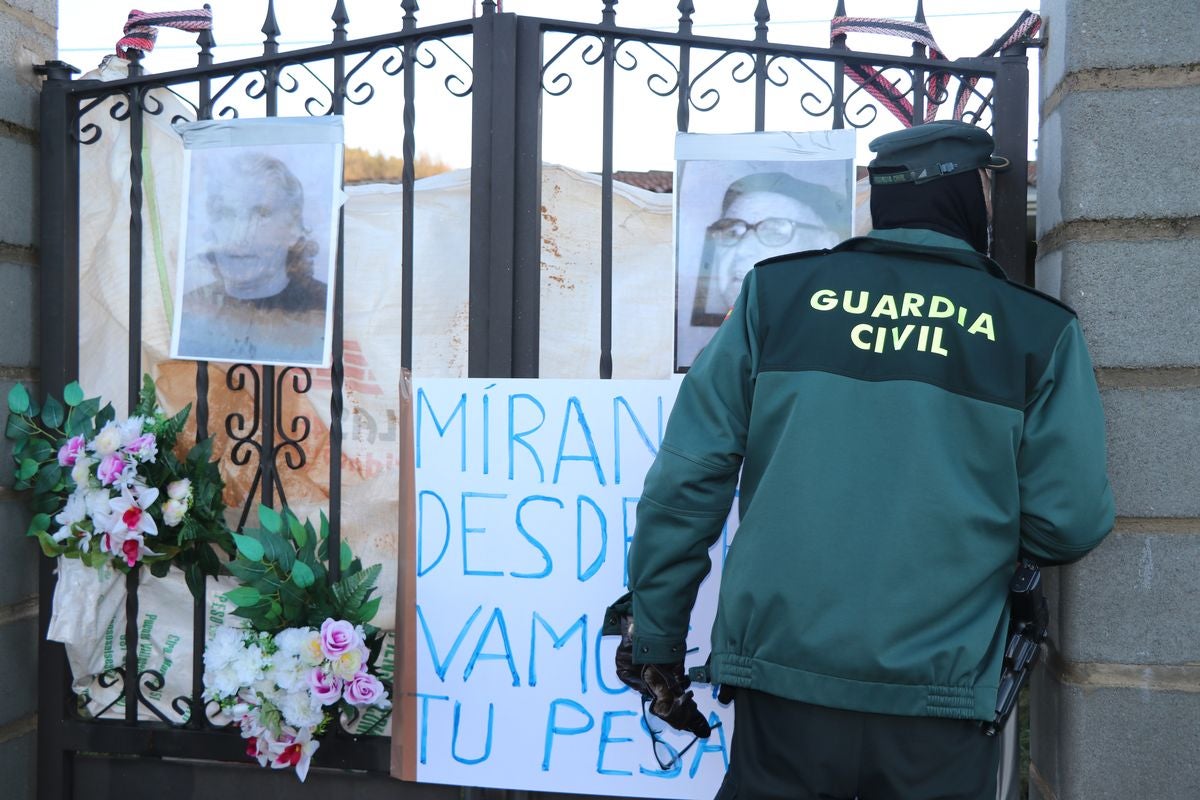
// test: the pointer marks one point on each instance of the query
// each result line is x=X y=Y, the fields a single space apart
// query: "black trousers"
x=787 y=750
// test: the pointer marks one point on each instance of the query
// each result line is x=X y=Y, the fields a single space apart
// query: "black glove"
x=665 y=686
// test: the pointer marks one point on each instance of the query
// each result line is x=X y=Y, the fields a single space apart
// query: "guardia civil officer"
x=905 y=423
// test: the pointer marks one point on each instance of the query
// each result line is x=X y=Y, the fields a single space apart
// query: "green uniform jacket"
x=905 y=421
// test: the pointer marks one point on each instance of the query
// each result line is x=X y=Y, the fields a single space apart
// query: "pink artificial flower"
x=143 y=448
x=337 y=637
x=69 y=452
x=131 y=549
x=252 y=747
x=290 y=756
x=110 y=469
x=326 y=688
x=365 y=690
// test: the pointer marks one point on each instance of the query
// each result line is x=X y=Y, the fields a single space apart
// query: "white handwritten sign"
x=525 y=500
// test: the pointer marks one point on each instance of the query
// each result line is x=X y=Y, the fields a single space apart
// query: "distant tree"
x=366 y=167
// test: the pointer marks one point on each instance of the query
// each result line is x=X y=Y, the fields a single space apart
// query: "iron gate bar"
x=1009 y=213
x=131 y=677
x=606 y=216
x=337 y=368
x=58 y=360
x=762 y=15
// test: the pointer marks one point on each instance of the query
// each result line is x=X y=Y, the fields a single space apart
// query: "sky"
x=645 y=123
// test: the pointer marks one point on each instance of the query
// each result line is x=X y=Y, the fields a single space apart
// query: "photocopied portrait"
x=255 y=280
x=741 y=198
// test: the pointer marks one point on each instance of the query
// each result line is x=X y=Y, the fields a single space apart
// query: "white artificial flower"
x=107 y=441
x=180 y=489
x=289 y=673
x=74 y=511
x=225 y=644
x=131 y=429
x=173 y=511
x=347 y=665
x=291 y=640
x=310 y=652
x=81 y=473
x=300 y=710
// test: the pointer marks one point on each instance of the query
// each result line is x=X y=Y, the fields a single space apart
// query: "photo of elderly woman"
x=743 y=198
x=255 y=284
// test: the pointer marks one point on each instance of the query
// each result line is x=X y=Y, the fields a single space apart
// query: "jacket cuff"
x=658 y=650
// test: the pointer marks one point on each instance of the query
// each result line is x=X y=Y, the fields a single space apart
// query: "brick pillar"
x=28 y=29
x=1116 y=713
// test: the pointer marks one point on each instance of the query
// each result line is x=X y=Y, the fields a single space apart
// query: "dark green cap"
x=934 y=150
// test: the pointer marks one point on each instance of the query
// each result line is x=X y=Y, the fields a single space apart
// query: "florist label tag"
x=524 y=501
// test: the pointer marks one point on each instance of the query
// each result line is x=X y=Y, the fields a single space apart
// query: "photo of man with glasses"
x=733 y=214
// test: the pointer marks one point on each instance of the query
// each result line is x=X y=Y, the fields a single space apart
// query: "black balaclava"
x=952 y=205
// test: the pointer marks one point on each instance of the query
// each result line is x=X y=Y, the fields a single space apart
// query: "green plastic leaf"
x=38 y=450
x=18 y=399
x=298 y=531
x=49 y=477
x=147 y=398
x=302 y=576
x=53 y=413
x=278 y=549
x=347 y=556
x=50 y=548
x=73 y=394
x=270 y=519
x=159 y=569
x=250 y=548
x=244 y=596
x=39 y=524
x=194 y=576
x=18 y=427
x=246 y=571
x=351 y=591
x=369 y=610
x=27 y=469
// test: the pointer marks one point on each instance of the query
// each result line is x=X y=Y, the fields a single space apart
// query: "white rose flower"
x=179 y=490
x=81 y=473
x=173 y=512
x=107 y=441
x=346 y=665
x=310 y=651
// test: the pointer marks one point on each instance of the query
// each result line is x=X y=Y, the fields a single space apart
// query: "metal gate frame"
x=511 y=58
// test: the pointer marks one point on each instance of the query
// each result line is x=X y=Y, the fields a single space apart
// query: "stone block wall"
x=27 y=37
x=1114 y=712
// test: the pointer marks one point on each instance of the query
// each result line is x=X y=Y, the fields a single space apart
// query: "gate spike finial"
x=840 y=11
x=920 y=17
x=340 y=17
x=206 y=42
x=686 y=9
x=271 y=30
x=609 y=17
x=411 y=7
x=762 y=15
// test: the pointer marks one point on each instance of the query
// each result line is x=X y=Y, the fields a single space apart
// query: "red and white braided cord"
x=141 y=27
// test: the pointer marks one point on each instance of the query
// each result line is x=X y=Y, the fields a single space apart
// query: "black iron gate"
x=510 y=67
